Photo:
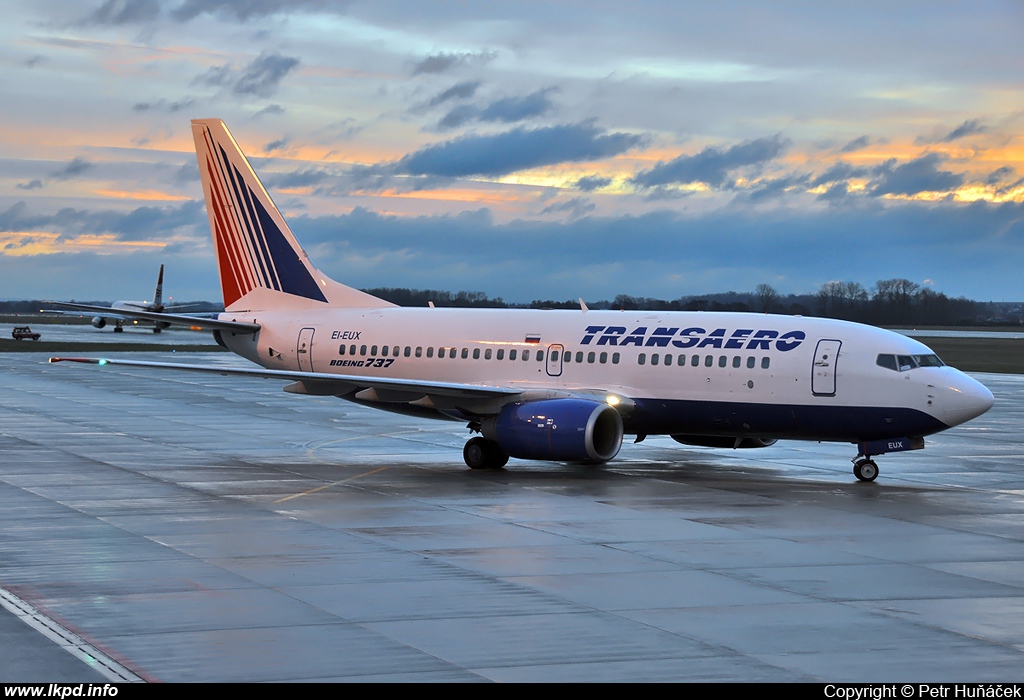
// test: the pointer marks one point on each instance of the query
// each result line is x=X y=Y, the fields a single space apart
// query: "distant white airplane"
x=116 y=312
x=557 y=385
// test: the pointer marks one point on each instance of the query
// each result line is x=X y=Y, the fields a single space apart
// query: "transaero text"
x=662 y=337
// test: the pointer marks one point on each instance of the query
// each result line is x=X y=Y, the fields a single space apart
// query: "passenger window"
x=654 y=358
x=511 y=354
x=501 y=354
x=394 y=351
x=668 y=359
x=723 y=360
x=526 y=355
x=751 y=362
x=736 y=361
x=465 y=353
x=681 y=360
x=695 y=361
x=362 y=349
x=540 y=356
x=419 y=351
x=476 y=353
x=641 y=358
x=579 y=357
x=351 y=349
x=384 y=351
x=765 y=361
x=603 y=358
x=567 y=357
x=615 y=358
x=408 y=351
x=709 y=360
x=373 y=351
x=341 y=350
x=430 y=352
x=487 y=354
x=454 y=352
x=591 y=357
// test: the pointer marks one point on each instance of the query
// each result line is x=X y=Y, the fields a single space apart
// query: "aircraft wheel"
x=481 y=453
x=865 y=470
x=118 y=329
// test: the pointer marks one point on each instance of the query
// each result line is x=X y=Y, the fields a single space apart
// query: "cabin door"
x=555 y=360
x=303 y=350
x=823 y=373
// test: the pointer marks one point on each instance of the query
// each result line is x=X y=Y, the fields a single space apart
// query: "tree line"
x=891 y=302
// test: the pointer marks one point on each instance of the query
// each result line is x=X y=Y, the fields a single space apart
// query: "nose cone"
x=965 y=399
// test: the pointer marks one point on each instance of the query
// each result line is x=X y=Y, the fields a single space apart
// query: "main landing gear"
x=481 y=453
x=865 y=469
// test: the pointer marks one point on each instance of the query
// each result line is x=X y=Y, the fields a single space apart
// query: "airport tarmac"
x=178 y=527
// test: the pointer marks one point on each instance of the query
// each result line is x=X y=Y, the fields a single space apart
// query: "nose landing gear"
x=865 y=469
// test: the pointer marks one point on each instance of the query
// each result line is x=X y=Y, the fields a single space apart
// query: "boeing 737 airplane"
x=116 y=312
x=557 y=385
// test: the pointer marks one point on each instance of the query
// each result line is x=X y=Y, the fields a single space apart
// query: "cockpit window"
x=905 y=363
x=887 y=361
x=928 y=361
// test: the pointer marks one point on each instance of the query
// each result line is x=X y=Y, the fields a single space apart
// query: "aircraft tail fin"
x=158 y=293
x=261 y=264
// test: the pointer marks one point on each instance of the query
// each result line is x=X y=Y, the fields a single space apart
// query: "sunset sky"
x=527 y=149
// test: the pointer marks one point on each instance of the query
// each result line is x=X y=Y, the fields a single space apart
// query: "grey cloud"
x=969 y=127
x=262 y=76
x=276 y=145
x=856 y=144
x=836 y=193
x=506 y=109
x=162 y=104
x=918 y=175
x=33 y=185
x=118 y=12
x=519 y=149
x=926 y=240
x=999 y=174
x=514 y=109
x=142 y=223
x=76 y=167
x=576 y=207
x=298 y=178
x=589 y=183
x=712 y=165
x=839 y=171
x=247 y=9
x=459 y=91
x=458 y=116
x=269 y=109
x=440 y=62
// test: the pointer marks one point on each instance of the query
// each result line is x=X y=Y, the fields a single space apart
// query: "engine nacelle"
x=561 y=430
x=99 y=322
x=741 y=443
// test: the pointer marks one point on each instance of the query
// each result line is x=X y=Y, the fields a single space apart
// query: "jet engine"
x=726 y=442
x=99 y=322
x=569 y=430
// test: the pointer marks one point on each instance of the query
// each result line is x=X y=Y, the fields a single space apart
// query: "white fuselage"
x=700 y=373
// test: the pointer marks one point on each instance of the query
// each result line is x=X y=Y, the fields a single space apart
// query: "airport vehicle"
x=24 y=333
x=557 y=385
x=117 y=313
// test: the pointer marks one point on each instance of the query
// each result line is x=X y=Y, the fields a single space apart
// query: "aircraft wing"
x=198 y=321
x=320 y=383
